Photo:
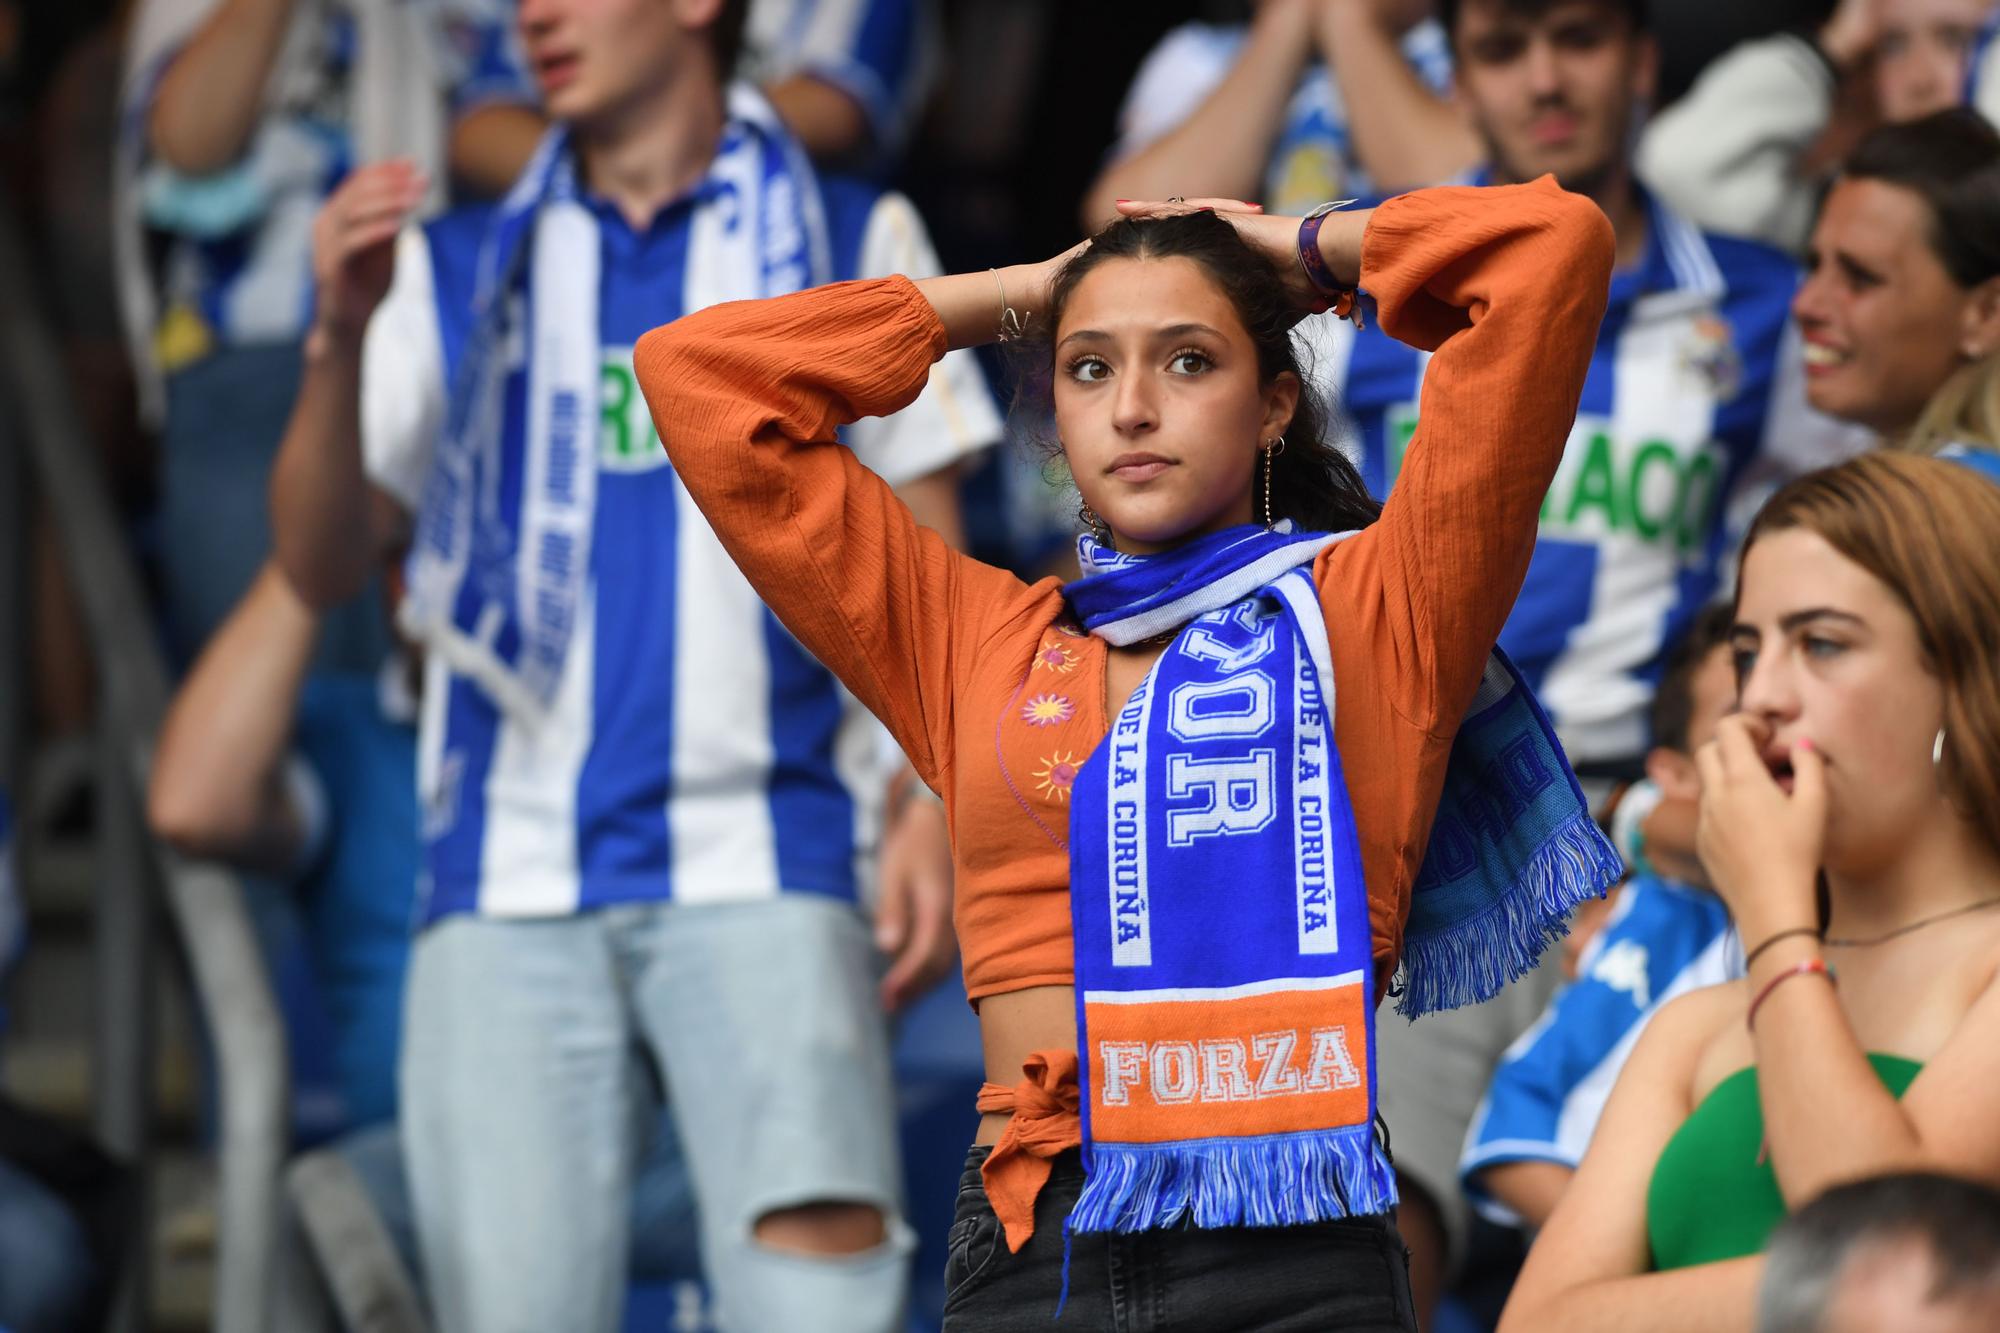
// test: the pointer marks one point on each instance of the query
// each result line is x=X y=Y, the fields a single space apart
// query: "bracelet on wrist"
x=1333 y=294
x=1011 y=327
x=1801 y=969
x=1750 y=958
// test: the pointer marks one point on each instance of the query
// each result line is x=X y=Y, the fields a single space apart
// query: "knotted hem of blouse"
x=1044 y=1122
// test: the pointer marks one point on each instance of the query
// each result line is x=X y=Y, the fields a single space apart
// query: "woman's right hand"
x=354 y=244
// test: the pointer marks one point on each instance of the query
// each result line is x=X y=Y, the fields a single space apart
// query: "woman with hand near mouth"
x=1144 y=770
x=1901 y=307
x=1850 y=817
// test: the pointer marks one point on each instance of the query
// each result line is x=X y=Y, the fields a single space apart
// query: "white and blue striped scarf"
x=495 y=588
x=1224 y=969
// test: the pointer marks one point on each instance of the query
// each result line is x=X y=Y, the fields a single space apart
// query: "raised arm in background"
x=211 y=95
x=1405 y=135
x=218 y=786
x=329 y=529
x=1220 y=150
x=1733 y=152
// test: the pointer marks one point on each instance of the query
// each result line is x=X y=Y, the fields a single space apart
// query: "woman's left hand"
x=1761 y=846
x=1277 y=239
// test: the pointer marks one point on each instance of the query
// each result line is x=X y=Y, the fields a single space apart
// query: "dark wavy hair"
x=1313 y=483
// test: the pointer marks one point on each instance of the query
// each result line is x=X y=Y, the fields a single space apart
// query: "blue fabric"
x=1986 y=462
x=360 y=898
x=1242 y=686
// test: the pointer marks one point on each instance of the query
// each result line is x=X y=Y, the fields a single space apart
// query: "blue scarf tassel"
x=1278 y=1180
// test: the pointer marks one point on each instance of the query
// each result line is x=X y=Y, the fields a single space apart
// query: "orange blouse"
x=1505 y=286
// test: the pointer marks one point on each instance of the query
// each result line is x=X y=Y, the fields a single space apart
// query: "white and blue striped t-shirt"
x=1663 y=939
x=694 y=751
x=1312 y=159
x=1693 y=408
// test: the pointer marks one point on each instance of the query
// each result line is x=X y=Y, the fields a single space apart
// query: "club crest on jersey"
x=1710 y=355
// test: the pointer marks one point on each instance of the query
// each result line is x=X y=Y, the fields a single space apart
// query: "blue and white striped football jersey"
x=1693 y=408
x=694 y=752
x=1312 y=160
x=1663 y=939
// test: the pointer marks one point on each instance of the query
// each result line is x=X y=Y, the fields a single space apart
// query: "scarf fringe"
x=1470 y=961
x=1280 y=1180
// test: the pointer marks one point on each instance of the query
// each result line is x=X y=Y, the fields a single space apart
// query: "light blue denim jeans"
x=518 y=1083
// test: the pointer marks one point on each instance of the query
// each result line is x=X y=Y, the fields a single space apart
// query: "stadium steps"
x=45 y=1056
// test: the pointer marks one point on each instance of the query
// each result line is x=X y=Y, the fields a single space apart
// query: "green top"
x=1710 y=1197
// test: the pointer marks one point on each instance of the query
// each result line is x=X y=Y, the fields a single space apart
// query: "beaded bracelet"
x=1334 y=295
x=1801 y=969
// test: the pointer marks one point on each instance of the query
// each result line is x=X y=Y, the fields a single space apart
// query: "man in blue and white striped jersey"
x=650 y=815
x=1661 y=938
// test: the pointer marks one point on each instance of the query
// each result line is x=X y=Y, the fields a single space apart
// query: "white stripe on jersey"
x=528 y=865
x=1591 y=686
x=719 y=833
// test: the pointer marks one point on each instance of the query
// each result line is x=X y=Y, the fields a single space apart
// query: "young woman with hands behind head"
x=1196 y=879
x=1848 y=816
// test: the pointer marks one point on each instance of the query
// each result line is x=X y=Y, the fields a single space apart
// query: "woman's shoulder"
x=1704 y=1028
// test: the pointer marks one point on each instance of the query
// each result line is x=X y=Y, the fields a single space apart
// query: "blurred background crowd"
x=211 y=826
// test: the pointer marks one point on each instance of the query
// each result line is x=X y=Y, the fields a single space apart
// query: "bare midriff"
x=1014 y=1026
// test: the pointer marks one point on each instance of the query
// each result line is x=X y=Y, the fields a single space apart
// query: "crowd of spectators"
x=568 y=889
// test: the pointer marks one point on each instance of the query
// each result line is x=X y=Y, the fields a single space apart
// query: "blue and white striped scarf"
x=495 y=589
x=1223 y=946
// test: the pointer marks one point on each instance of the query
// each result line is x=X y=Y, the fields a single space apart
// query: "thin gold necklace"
x=1884 y=938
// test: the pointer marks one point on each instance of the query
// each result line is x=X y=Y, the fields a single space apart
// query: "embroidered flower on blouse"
x=1045 y=710
x=1055 y=657
x=1057 y=775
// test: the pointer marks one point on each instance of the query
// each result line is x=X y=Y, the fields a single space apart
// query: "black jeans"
x=1347 y=1275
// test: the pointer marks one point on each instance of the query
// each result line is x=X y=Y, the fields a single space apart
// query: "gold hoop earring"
x=1270 y=451
x=1098 y=527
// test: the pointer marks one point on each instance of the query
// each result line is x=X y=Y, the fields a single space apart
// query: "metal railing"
x=46 y=455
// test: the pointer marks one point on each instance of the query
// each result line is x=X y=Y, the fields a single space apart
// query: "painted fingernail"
x=1122 y=201
x=1803 y=743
